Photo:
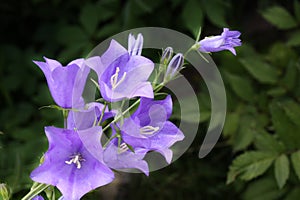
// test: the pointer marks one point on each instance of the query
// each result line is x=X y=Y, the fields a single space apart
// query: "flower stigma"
x=148 y=130
x=114 y=79
x=123 y=148
x=76 y=159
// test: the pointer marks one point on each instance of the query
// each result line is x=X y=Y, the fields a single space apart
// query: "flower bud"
x=174 y=66
x=135 y=46
x=166 y=55
x=4 y=192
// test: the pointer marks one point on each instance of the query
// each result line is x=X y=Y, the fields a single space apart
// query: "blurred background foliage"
x=258 y=156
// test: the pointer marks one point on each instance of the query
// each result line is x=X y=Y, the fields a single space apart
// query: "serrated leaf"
x=294 y=39
x=282 y=170
x=295 y=157
x=267 y=142
x=250 y=165
x=279 y=17
x=260 y=70
x=292 y=110
x=192 y=16
x=284 y=127
x=245 y=134
x=242 y=86
x=216 y=12
x=262 y=189
x=89 y=18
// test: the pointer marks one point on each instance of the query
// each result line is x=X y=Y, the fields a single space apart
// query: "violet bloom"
x=38 y=198
x=121 y=75
x=67 y=83
x=149 y=128
x=88 y=116
x=226 y=41
x=122 y=158
x=73 y=162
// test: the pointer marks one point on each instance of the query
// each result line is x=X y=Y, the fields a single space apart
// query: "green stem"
x=38 y=189
x=120 y=116
x=102 y=113
x=65 y=115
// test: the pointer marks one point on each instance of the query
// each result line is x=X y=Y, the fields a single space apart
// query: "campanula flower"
x=174 y=67
x=88 y=116
x=38 y=198
x=67 y=83
x=73 y=162
x=121 y=75
x=135 y=46
x=121 y=157
x=226 y=41
x=149 y=128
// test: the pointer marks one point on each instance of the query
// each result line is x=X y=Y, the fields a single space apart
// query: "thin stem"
x=120 y=116
x=38 y=189
x=65 y=115
x=102 y=113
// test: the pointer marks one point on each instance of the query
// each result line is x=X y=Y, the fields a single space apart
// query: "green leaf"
x=245 y=134
x=250 y=165
x=267 y=142
x=294 y=39
x=297 y=9
x=89 y=18
x=262 y=189
x=216 y=12
x=231 y=124
x=293 y=195
x=292 y=110
x=192 y=16
x=284 y=127
x=241 y=85
x=295 y=157
x=260 y=70
x=282 y=170
x=291 y=76
x=279 y=17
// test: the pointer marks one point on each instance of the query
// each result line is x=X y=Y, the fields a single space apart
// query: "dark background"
x=262 y=85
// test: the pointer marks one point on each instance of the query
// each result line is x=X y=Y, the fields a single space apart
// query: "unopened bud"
x=174 y=66
x=4 y=194
x=166 y=55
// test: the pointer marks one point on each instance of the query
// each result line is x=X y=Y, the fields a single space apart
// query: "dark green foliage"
x=259 y=151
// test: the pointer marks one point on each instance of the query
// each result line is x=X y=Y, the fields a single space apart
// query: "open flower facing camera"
x=98 y=138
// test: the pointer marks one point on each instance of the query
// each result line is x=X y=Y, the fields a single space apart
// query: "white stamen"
x=114 y=79
x=76 y=159
x=148 y=130
x=123 y=148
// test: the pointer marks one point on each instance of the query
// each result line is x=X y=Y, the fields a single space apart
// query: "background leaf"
x=282 y=170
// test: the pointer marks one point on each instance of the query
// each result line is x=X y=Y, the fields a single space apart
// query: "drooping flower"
x=73 y=162
x=226 y=41
x=135 y=46
x=148 y=127
x=38 y=198
x=174 y=67
x=88 y=116
x=67 y=83
x=121 y=75
x=120 y=157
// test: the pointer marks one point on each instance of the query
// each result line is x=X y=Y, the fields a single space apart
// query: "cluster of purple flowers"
x=76 y=161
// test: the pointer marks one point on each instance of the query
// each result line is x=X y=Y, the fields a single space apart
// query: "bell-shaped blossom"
x=174 y=67
x=226 y=41
x=148 y=127
x=73 y=162
x=121 y=157
x=38 y=198
x=66 y=83
x=88 y=116
x=121 y=75
x=135 y=46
